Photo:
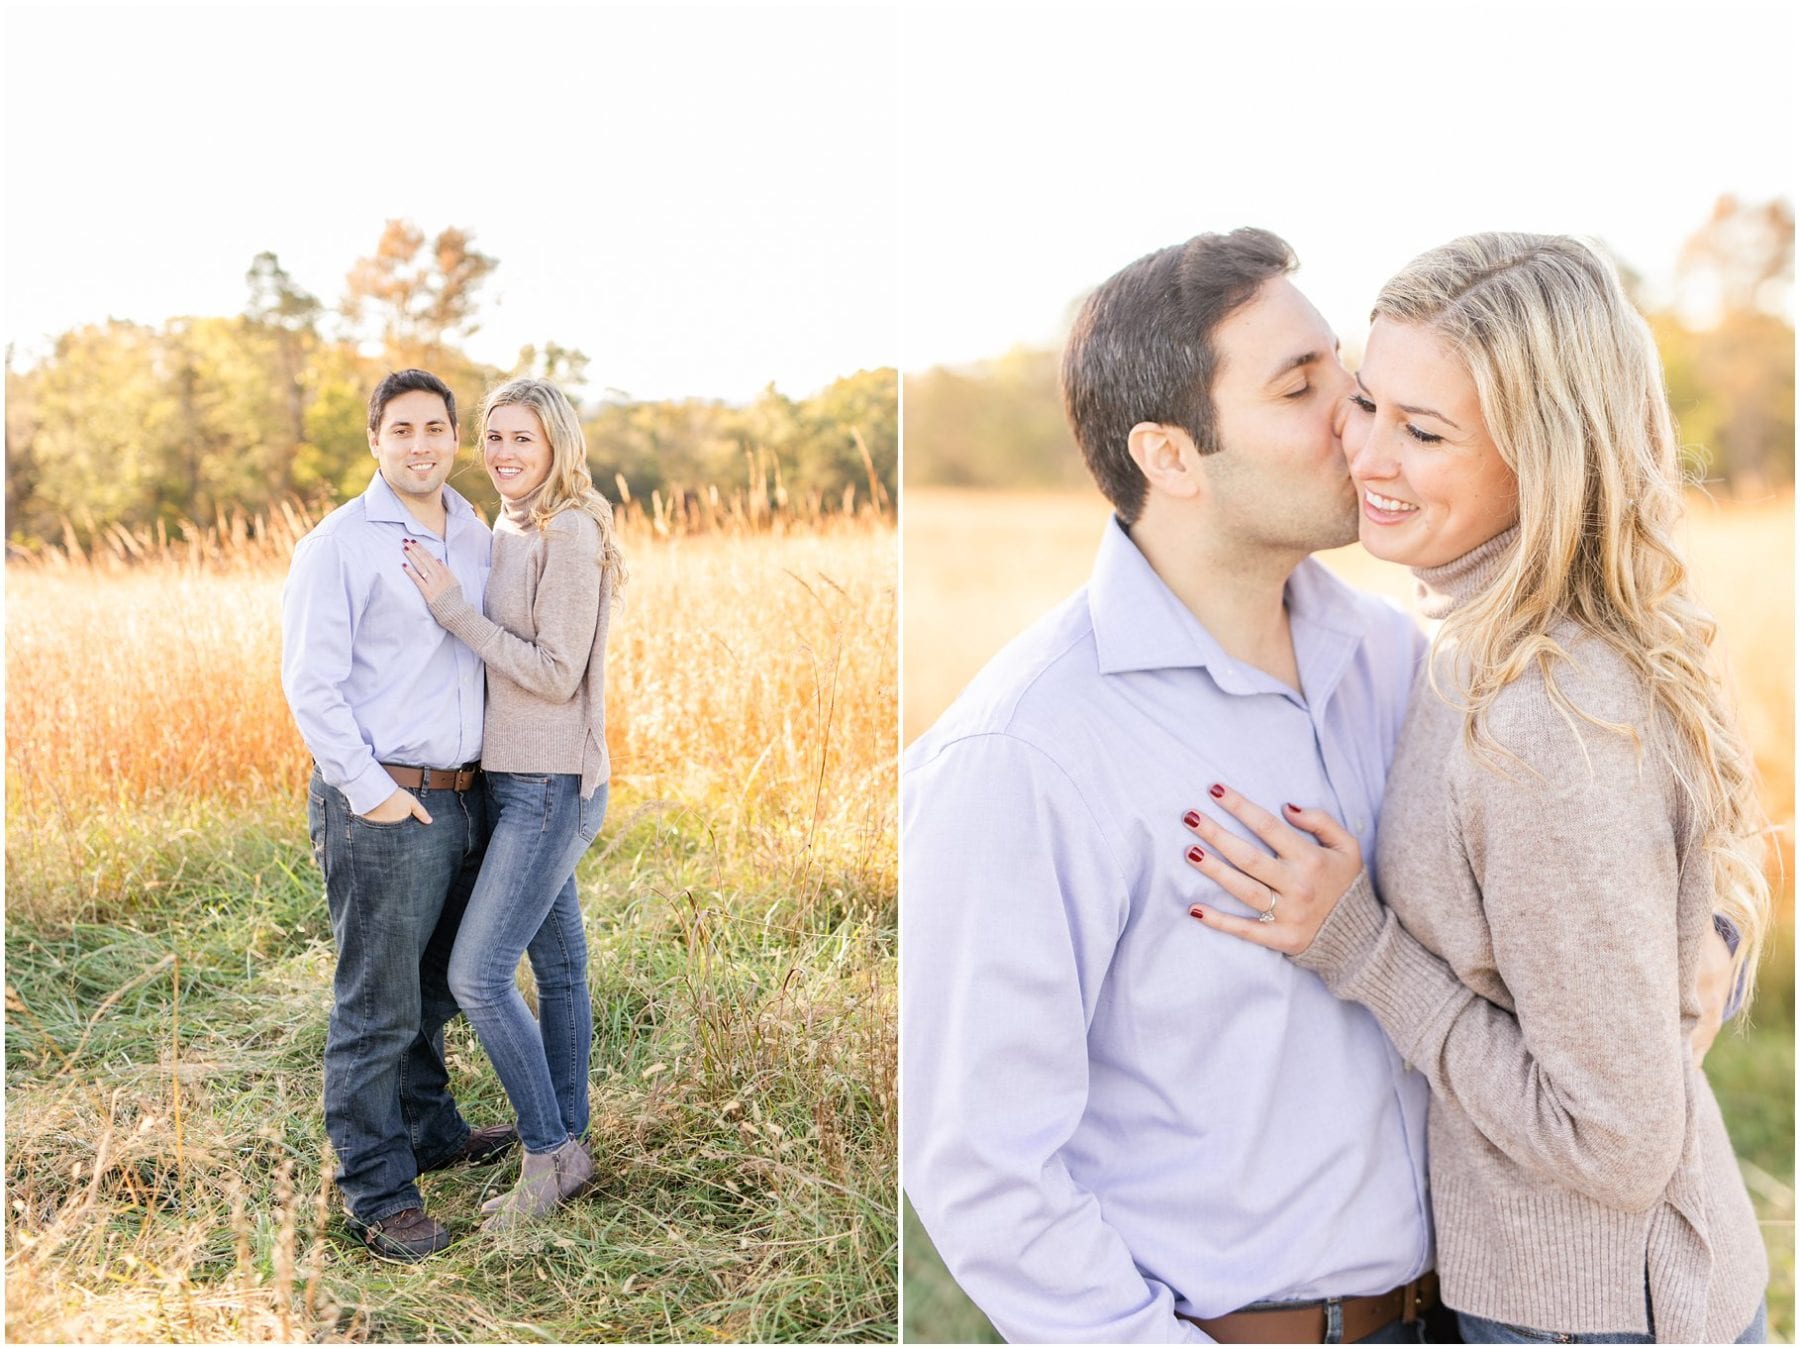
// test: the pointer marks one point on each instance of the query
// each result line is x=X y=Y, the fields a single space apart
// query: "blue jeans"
x=1397 y=1332
x=396 y=893
x=525 y=904
x=1480 y=1330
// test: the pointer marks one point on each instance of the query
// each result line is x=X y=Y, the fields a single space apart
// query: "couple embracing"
x=1270 y=975
x=449 y=683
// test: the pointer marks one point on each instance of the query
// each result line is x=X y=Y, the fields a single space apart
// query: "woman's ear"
x=1165 y=455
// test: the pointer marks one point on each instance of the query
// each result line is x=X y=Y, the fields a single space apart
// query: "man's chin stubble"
x=1339 y=531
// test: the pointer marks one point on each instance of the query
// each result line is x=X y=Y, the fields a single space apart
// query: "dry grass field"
x=168 y=965
x=751 y=672
x=980 y=567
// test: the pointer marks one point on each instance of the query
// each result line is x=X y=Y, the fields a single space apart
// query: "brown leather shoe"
x=407 y=1236
x=482 y=1145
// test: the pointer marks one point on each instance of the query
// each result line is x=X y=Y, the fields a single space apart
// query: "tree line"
x=1726 y=343
x=201 y=418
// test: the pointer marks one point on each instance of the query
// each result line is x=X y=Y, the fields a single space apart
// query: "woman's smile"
x=1433 y=484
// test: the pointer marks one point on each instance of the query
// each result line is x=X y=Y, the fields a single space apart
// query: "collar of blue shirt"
x=1139 y=624
x=380 y=502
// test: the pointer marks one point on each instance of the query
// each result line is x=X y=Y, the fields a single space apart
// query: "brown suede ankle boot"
x=545 y=1180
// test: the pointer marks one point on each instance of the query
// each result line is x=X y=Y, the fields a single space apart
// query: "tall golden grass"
x=751 y=668
x=980 y=567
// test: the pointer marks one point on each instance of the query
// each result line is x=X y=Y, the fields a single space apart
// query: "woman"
x=1567 y=798
x=556 y=566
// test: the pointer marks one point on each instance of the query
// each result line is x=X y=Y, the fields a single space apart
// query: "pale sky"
x=706 y=200
x=1043 y=151
x=701 y=200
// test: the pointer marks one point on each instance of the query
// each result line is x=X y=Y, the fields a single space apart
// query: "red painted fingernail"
x=1191 y=819
x=1195 y=855
x=1217 y=791
x=1291 y=806
x=1197 y=912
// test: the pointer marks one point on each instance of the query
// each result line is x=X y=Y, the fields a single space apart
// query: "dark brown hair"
x=1142 y=349
x=408 y=381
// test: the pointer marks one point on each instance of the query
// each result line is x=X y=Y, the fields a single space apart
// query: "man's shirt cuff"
x=368 y=789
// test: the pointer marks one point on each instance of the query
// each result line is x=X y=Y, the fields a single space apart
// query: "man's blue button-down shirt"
x=1111 y=1113
x=369 y=674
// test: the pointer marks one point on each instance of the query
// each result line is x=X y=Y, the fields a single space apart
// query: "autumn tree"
x=1741 y=260
x=132 y=425
x=108 y=445
x=23 y=512
x=418 y=296
x=287 y=316
x=1728 y=351
x=563 y=366
x=994 y=423
x=238 y=439
x=853 y=436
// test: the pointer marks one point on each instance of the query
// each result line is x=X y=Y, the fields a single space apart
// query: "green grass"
x=937 y=1311
x=1752 y=1072
x=166 y=1176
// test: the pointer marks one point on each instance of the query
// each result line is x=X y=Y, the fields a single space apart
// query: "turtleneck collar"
x=519 y=512
x=1442 y=589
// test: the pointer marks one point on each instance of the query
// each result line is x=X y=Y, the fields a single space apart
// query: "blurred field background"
x=168 y=955
x=1000 y=523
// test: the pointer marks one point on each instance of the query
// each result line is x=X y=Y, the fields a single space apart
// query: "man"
x=1111 y=1122
x=391 y=707
x=1117 y=1129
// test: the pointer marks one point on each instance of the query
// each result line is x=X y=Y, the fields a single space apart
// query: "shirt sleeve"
x=565 y=611
x=1729 y=934
x=1014 y=906
x=319 y=608
x=1583 y=1082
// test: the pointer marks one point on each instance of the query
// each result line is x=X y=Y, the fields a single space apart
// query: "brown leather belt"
x=1305 y=1323
x=433 y=779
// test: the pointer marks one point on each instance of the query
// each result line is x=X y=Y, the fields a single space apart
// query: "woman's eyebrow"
x=1409 y=410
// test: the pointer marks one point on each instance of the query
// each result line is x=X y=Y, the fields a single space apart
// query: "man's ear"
x=1165 y=455
x=374 y=445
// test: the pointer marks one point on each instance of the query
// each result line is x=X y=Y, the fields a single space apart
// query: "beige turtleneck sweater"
x=544 y=643
x=1536 y=958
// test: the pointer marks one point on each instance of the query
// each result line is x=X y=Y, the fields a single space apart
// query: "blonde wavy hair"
x=570 y=486
x=1571 y=390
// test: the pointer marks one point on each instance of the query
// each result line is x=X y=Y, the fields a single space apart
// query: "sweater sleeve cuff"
x=1349 y=935
x=1364 y=955
x=460 y=618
